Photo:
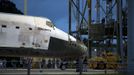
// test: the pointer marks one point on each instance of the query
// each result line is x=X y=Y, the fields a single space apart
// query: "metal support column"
x=70 y=16
x=120 y=34
x=29 y=61
x=130 y=66
x=80 y=66
x=98 y=11
x=89 y=23
x=78 y=18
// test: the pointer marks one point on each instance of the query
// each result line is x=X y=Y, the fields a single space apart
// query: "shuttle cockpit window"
x=50 y=24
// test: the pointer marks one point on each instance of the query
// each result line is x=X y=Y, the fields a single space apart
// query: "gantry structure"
x=100 y=24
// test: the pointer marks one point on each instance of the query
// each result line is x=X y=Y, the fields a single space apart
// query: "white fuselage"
x=19 y=31
x=28 y=30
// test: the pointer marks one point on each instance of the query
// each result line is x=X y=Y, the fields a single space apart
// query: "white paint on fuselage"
x=33 y=32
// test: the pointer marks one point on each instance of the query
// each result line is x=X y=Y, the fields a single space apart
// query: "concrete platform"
x=53 y=72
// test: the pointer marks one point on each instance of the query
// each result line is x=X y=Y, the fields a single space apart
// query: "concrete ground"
x=53 y=72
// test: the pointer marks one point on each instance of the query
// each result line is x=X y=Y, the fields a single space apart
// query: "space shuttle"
x=36 y=37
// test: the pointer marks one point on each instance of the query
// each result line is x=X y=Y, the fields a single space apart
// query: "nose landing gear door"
x=43 y=37
x=41 y=34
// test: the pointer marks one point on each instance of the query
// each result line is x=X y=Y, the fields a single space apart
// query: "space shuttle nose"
x=83 y=49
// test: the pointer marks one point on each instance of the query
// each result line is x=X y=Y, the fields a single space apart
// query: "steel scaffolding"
x=102 y=31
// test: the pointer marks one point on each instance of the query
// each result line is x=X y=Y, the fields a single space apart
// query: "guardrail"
x=17 y=67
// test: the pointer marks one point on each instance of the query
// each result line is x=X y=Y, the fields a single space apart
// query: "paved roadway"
x=52 y=72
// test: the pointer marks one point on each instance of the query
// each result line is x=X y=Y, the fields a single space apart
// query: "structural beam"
x=98 y=11
x=89 y=24
x=70 y=16
x=130 y=67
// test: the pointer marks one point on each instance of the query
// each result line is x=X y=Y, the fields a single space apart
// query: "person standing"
x=4 y=63
x=43 y=63
x=1 y=64
x=85 y=64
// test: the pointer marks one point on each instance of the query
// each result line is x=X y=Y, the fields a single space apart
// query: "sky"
x=55 y=10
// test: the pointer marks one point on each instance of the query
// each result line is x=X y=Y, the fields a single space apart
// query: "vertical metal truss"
x=120 y=31
x=109 y=10
x=78 y=18
x=82 y=21
x=98 y=11
x=110 y=5
x=89 y=24
x=70 y=16
x=77 y=13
